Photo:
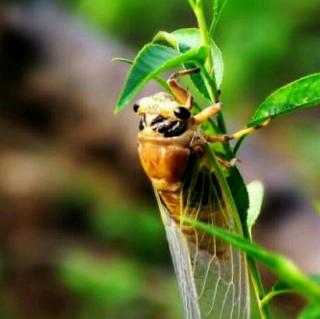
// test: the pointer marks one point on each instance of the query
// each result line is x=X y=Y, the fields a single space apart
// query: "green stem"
x=273 y=293
x=157 y=78
x=238 y=144
x=206 y=40
x=231 y=206
x=210 y=84
x=256 y=279
x=192 y=4
x=204 y=33
x=209 y=80
x=258 y=288
x=209 y=75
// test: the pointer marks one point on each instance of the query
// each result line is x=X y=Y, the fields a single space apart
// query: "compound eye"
x=136 y=108
x=182 y=113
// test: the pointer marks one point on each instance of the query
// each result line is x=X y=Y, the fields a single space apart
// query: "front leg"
x=207 y=113
x=181 y=94
x=225 y=138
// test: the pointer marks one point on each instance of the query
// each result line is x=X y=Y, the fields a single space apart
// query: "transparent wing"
x=212 y=275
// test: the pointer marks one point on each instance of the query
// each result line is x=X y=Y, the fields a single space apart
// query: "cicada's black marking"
x=163 y=125
x=177 y=129
x=158 y=119
x=168 y=127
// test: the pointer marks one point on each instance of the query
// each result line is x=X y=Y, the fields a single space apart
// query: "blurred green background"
x=80 y=234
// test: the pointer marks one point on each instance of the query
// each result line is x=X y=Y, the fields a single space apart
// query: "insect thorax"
x=166 y=134
x=165 y=160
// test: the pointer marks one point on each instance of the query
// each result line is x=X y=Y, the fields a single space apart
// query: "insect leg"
x=207 y=112
x=236 y=135
x=182 y=95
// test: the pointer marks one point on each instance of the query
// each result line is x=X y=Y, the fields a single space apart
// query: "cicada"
x=212 y=275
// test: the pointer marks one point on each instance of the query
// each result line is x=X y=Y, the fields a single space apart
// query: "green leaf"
x=315 y=278
x=190 y=38
x=303 y=93
x=157 y=78
x=183 y=41
x=218 y=64
x=152 y=60
x=311 y=311
x=187 y=39
x=256 y=191
x=166 y=38
x=239 y=193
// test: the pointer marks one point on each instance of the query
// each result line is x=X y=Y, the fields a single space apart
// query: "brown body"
x=165 y=161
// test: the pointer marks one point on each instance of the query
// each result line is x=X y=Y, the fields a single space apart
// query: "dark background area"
x=80 y=233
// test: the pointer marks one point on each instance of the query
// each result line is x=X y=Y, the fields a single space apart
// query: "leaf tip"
x=256 y=193
x=117 y=108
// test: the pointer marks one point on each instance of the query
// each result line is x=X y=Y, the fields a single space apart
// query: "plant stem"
x=209 y=71
x=238 y=144
x=266 y=300
x=258 y=288
x=206 y=40
x=231 y=206
x=204 y=33
x=192 y=4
